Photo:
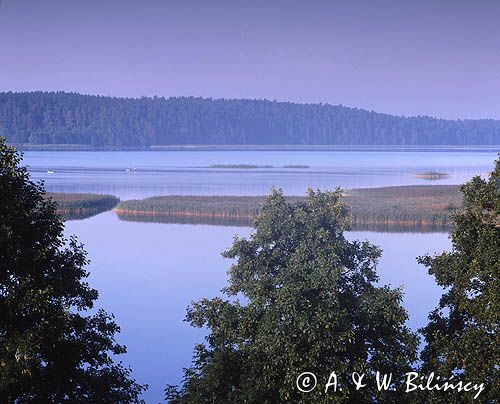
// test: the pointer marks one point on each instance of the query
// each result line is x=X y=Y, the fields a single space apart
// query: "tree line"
x=70 y=118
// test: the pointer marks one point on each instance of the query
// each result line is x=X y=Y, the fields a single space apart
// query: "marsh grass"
x=409 y=207
x=81 y=206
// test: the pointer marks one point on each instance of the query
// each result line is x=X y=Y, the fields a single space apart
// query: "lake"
x=148 y=273
x=138 y=174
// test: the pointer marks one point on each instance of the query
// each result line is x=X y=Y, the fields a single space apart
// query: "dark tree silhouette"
x=300 y=298
x=51 y=348
x=463 y=332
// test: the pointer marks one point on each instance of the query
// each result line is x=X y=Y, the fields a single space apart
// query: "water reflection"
x=246 y=222
x=148 y=273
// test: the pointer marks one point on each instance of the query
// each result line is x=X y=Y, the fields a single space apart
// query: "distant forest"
x=69 y=118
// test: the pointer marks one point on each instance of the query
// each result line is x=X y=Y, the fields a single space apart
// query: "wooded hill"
x=49 y=118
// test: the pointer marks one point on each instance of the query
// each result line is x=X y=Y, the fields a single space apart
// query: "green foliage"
x=68 y=118
x=51 y=348
x=300 y=298
x=463 y=335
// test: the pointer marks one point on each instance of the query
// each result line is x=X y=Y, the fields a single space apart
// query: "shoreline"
x=253 y=147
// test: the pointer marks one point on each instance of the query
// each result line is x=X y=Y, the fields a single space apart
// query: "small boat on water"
x=50 y=172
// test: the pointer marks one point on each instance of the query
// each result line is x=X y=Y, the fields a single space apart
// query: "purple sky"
x=438 y=58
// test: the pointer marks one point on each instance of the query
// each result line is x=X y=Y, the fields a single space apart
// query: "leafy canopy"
x=462 y=335
x=301 y=297
x=51 y=348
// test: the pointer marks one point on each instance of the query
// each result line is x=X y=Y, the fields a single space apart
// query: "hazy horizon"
x=426 y=58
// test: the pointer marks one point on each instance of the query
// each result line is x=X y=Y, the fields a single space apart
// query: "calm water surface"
x=148 y=273
x=141 y=174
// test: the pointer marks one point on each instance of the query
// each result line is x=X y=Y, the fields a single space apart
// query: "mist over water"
x=140 y=174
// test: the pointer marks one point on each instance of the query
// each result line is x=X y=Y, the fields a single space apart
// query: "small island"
x=254 y=166
x=407 y=208
x=432 y=175
x=239 y=166
x=81 y=206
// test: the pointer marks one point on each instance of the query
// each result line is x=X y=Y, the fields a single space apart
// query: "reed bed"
x=410 y=207
x=80 y=206
x=432 y=175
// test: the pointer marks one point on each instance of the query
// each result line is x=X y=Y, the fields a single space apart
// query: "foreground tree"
x=463 y=332
x=51 y=350
x=301 y=297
